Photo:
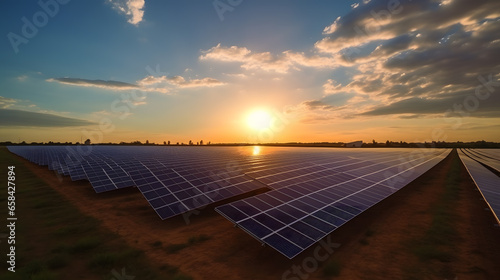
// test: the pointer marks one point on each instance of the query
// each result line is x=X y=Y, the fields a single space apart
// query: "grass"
x=174 y=248
x=369 y=232
x=193 y=240
x=57 y=261
x=436 y=247
x=157 y=244
x=332 y=268
x=198 y=239
x=54 y=240
x=103 y=260
x=364 y=241
x=85 y=244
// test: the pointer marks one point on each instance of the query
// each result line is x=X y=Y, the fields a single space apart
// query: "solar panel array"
x=309 y=192
x=307 y=208
x=172 y=183
x=487 y=181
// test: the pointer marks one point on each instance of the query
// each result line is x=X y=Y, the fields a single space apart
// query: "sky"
x=254 y=71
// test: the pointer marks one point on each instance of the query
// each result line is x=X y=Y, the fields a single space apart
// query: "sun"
x=259 y=120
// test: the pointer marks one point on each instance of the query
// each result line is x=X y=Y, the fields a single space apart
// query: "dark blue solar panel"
x=330 y=218
x=255 y=228
x=487 y=182
x=296 y=237
x=308 y=207
x=269 y=221
x=283 y=245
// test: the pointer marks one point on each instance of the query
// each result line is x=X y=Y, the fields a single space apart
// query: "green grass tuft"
x=157 y=244
x=198 y=239
x=364 y=241
x=174 y=248
x=182 y=277
x=428 y=252
x=44 y=275
x=332 y=268
x=85 y=244
x=57 y=261
x=103 y=261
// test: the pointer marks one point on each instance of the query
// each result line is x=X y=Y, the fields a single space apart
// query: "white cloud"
x=266 y=61
x=331 y=87
x=133 y=9
x=114 y=85
x=237 y=75
x=161 y=84
x=22 y=78
x=6 y=102
x=180 y=81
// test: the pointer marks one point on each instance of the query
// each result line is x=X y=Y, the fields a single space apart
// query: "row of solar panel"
x=487 y=182
x=489 y=157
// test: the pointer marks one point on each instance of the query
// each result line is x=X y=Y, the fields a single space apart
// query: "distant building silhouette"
x=356 y=144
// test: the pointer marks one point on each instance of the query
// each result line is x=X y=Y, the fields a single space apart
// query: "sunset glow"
x=183 y=71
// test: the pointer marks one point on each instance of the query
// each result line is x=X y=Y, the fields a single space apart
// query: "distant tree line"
x=373 y=144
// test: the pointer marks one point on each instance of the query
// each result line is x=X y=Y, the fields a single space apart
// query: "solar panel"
x=487 y=182
x=170 y=193
x=292 y=218
x=488 y=157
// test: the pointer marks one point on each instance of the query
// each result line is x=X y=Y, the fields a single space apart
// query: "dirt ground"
x=374 y=245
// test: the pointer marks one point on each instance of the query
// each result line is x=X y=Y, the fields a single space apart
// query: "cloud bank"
x=25 y=118
x=161 y=84
x=418 y=57
x=114 y=85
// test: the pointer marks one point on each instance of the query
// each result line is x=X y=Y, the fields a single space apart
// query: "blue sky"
x=181 y=70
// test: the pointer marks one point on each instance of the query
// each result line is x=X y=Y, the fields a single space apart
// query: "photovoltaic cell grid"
x=172 y=183
x=489 y=157
x=170 y=193
x=106 y=175
x=487 y=182
x=321 y=168
x=175 y=180
x=292 y=218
